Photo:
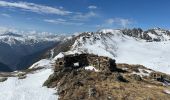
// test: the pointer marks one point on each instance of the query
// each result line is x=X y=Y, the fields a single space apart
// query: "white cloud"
x=7 y=29
x=82 y=17
x=92 y=7
x=6 y=15
x=34 y=7
x=61 y=21
x=119 y=21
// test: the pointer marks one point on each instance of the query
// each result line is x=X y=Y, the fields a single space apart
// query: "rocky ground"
x=129 y=82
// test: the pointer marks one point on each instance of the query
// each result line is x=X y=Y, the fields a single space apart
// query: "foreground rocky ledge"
x=127 y=82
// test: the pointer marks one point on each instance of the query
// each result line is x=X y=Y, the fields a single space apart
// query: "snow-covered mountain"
x=148 y=48
x=27 y=39
x=19 y=50
x=133 y=46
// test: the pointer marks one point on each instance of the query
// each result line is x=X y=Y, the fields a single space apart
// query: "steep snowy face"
x=126 y=48
x=99 y=42
x=19 y=50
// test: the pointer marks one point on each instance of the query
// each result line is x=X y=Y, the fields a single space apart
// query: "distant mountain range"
x=19 y=51
x=133 y=46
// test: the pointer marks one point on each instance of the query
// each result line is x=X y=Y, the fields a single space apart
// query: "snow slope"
x=125 y=49
x=31 y=87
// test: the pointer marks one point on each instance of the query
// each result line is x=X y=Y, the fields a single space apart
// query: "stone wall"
x=81 y=60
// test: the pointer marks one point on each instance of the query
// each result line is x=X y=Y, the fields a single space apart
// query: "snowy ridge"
x=125 y=49
x=98 y=43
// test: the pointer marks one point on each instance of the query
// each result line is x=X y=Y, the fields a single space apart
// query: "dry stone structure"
x=81 y=60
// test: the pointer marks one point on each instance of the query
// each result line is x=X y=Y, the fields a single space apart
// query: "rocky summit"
x=90 y=82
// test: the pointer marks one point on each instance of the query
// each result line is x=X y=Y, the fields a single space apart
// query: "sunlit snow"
x=29 y=88
x=125 y=49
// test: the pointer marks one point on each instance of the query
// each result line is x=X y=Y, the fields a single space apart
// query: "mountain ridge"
x=151 y=52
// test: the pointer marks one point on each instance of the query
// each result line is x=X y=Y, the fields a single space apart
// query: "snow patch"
x=76 y=64
x=60 y=55
x=91 y=68
x=51 y=53
x=166 y=91
x=44 y=63
x=141 y=72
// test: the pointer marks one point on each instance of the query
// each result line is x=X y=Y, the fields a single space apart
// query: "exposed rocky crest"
x=150 y=35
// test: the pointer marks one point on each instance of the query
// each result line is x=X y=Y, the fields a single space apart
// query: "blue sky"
x=69 y=16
